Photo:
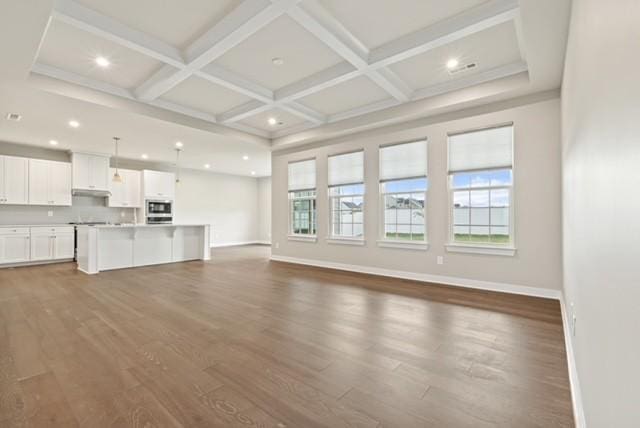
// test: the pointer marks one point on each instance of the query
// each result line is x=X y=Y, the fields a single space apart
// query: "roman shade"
x=347 y=168
x=302 y=175
x=484 y=149
x=401 y=161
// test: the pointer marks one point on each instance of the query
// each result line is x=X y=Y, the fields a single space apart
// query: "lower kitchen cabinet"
x=35 y=244
x=14 y=245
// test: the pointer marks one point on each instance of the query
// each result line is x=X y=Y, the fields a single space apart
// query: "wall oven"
x=158 y=211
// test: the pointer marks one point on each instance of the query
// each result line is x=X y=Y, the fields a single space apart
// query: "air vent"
x=14 y=116
x=463 y=68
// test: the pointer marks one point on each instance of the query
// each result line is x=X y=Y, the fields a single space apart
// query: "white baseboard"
x=576 y=395
x=425 y=277
x=239 y=243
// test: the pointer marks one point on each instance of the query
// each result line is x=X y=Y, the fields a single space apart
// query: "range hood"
x=89 y=192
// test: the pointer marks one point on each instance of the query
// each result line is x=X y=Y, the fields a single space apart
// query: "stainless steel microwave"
x=159 y=211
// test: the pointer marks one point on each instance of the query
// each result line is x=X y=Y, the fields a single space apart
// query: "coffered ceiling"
x=284 y=71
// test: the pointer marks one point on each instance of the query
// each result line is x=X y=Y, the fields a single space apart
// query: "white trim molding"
x=481 y=249
x=500 y=287
x=406 y=245
x=345 y=241
x=239 y=243
x=302 y=238
x=576 y=395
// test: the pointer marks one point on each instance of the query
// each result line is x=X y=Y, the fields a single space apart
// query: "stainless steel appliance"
x=75 y=233
x=158 y=211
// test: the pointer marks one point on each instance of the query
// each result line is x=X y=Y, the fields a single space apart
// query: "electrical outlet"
x=122 y=214
x=440 y=260
x=49 y=213
x=277 y=245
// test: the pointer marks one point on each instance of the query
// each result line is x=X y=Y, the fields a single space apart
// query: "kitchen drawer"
x=14 y=230
x=51 y=230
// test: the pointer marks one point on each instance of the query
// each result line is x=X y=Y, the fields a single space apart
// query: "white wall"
x=601 y=206
x=229 y=203
x=537 y=202
x=264 y=209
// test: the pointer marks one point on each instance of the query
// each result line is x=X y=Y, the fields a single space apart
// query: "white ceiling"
x=205 y=67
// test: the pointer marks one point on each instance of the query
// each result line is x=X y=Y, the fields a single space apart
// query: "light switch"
x=49 y=213
x=440 y=260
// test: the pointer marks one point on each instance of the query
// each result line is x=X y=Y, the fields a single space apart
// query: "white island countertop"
x=117 y=246
x=140 y=225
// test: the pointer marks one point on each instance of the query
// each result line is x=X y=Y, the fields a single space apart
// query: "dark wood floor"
x=241 y=341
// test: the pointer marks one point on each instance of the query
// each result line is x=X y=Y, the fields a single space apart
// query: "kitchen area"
x=102 y=217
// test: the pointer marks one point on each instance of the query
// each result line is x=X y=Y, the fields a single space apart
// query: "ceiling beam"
x=175 y=68
x=246 y=19
x=474 y=20
x=464 y=24
x=319 y=22
x=83 y=18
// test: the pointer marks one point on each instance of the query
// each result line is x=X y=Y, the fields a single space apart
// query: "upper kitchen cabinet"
x=14 y=180
x=49 y=182
x=127 y=193
x=90 y=172
x=158 y=185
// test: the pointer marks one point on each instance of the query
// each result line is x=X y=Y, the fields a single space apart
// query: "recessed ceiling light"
x=277 y=61
x=74 y=123
x=206 y=165
x=144 y=156
x=452 y=63
x=245 y=157
x=253 y=173
x=272 y=121
x=179 y=144
x=102 y=62
x=53 y=142
x=14 y=117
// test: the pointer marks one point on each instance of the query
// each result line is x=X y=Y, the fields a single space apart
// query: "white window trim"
x=302 y=238
x=314 y=213
x=340 y=239
x=406 y=245
x=394 y=243
x=480 y=247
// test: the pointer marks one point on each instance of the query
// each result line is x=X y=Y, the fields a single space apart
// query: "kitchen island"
x=106 y=247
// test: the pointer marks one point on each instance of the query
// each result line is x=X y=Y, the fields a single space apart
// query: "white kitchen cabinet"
x=14 y=180
x=49 y=182
x=90 y=171
x=14 y=245
x=51 y=243
x=158 y=184
x=126 y=194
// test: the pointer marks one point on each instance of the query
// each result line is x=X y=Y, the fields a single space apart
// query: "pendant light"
x=116 y=176
x=178 y=150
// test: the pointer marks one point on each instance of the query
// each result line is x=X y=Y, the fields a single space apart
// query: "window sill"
x=407 y=245
x=345 y=241
x=481 y=249
x=302 y=238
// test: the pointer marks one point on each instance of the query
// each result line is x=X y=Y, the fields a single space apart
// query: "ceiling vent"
x=462 y=68
x=14 y=117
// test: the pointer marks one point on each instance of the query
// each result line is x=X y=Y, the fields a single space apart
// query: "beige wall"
x=537 y=203
x=601 y=204
x=264 y=209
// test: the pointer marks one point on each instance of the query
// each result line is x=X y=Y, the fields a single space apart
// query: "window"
x=302 y=198
x=346 y=195
x=481 y=186
x=403 y=189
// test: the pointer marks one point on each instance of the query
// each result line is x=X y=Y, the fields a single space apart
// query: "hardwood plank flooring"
x=240 y=341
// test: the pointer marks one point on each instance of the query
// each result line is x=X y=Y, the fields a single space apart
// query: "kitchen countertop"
x=38 y=225
x=120 y=226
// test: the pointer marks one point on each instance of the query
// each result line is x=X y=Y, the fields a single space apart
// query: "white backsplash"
x=84 y=208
